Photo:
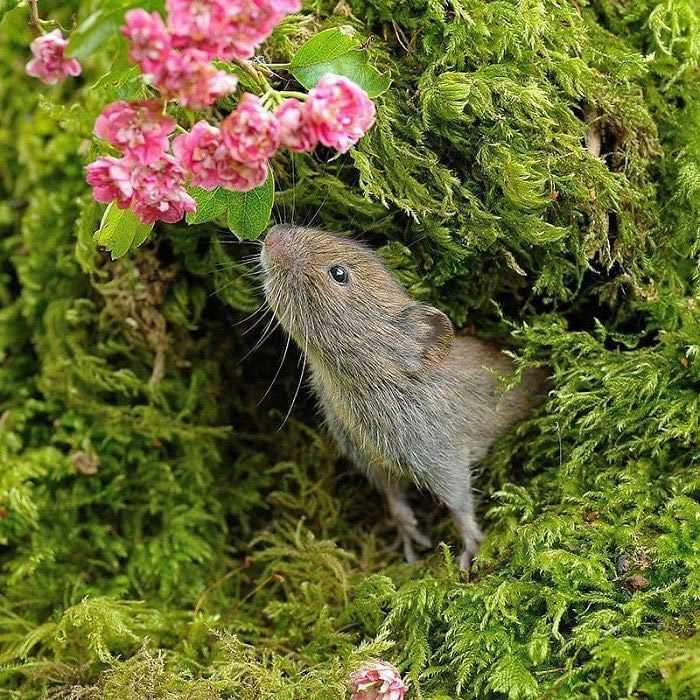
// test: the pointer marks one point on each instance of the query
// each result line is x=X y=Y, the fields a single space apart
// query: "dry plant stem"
x=214 y=586
x=248 y=68
x=269 y=93
x=34 y=20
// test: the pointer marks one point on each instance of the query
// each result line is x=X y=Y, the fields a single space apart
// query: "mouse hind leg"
x=391 y=486
x=460 y=501
x=394 y=488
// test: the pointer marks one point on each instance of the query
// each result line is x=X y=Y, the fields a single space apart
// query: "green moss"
x=160 y=538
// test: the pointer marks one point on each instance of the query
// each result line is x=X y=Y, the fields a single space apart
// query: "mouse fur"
x=405 y=399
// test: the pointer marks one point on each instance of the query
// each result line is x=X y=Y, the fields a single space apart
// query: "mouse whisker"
x=253 y=314
x=237 y=241
x=301 y=379
x=265 y=336
x=218 y=290
x=272 y=325
x=318 y=211
x=258 y=321
x=222 y=267
x=294 y=189
x=277 y=373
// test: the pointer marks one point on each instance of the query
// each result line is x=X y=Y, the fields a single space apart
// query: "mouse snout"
x=277 y=244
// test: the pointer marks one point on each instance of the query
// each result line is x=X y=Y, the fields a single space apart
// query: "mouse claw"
x=465 y=561
x=471 y=548
x=406 y=523
x=405 y=539
x=408 y=536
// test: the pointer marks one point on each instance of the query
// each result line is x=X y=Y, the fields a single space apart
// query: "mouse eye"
x=338 y=274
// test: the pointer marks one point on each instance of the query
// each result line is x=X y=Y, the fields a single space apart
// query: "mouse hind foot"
x=471 y=534
x=406 y=522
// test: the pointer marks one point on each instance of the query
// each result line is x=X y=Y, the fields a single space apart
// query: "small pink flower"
x=159 y=194
x=250 y=22
x=110 y=179
x=149 y=40
x=295 y=133
x=339 y=112
x=210 y=164
x=192 y=79
x=198 y=24
x=139 y=129
x=377 y=681
x=251 y=133
x=49 y=63
x=242 y=177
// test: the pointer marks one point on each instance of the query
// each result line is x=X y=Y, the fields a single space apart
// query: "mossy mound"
x=160 y=539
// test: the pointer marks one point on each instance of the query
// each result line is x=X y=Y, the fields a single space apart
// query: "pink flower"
x=110 y=179
x=250 y=22
x=139 y=129
x=192 y=79
x=295 y=132
x=149 y=39
x=377 y=681
x=242 y=177
x=159 y=194
x=251 y=133
x=49 y=63
x=210 y=164
x=339 y=112
x=198 y=24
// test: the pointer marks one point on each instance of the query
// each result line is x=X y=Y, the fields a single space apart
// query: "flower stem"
x=292 y=93
x=276 y=65
x=34 y=20
x=255 y=75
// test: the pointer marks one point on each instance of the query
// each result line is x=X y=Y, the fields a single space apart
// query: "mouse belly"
x=386 y=449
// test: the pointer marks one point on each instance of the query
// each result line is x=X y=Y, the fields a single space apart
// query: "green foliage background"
x=211 y=556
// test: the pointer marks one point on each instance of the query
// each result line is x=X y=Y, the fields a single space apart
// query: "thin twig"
x=34 y=20
x=214 y=586
x=248 y=68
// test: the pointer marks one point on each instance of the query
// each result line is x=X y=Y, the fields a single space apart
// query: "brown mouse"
x=405 y=399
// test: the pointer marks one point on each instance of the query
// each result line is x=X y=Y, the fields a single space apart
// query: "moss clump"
x=160 y=539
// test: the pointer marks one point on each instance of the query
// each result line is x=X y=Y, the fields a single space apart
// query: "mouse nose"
x=277 y=243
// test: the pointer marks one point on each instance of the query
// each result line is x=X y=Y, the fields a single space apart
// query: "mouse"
x=406 y=400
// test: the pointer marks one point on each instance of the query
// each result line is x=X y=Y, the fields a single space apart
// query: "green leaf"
x=120 y=230
x=94 y=32
x=210 y=204
x=249 y=212
x=337 y=51
x=102 y=25
x=6 y=6
x=125 y=84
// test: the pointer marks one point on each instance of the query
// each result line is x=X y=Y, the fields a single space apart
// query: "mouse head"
x=340 y=304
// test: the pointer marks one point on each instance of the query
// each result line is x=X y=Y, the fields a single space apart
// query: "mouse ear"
x=432 y=332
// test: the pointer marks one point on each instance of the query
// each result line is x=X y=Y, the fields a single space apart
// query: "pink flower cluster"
x=336 y=113
x=226 y=29
x=146 y=179
x=177 y=57
x=235 y=156
x=49 y=64
x=377 y=681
